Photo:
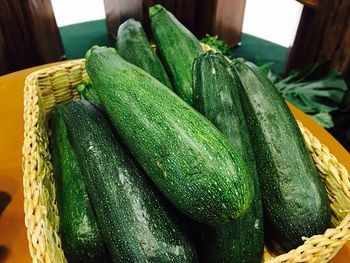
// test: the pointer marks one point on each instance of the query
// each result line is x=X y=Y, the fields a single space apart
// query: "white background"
x=273 y=20
x=69 y=12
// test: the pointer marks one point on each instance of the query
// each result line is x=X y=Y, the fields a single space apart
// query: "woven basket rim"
x=62 y=65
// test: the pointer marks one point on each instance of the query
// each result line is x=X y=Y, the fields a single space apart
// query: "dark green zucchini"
x=177 y=48
x=294 y=198
x=190 y=161
x=215 y=95
x=135 y=224
x=79 y=232
x=133 y=46
x=87 y=92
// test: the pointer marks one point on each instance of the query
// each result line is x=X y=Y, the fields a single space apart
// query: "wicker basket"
x=44 y=88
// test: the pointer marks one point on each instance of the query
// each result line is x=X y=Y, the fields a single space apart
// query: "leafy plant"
x=314 y=95
x=217 y=43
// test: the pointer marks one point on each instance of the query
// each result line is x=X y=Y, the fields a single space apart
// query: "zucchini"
x=294 y=198
x=133 y=46
x=80 y=235
x=87 y=92
x=135 y=224
x=190 y=161
x=177 y=48
x=215 y=95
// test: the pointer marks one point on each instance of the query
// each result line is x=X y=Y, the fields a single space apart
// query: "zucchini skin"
x=215 y=95
x=135 y=223
x=132 y=45
x=81 y=237
x=294 y=198
x=177 y=48
x=171 y=141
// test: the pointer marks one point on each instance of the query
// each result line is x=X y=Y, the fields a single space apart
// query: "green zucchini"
x=177 y=48
x=215 y=95
x=87 y=92
x=80 y=235
x=294 y=198
x=190 y=161
x=135 y=224
x=133 y=46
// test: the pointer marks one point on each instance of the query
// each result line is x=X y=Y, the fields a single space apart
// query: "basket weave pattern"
x=57 y=84
x=43 y=89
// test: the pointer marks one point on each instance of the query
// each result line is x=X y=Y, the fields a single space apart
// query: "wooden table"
x=13 y=238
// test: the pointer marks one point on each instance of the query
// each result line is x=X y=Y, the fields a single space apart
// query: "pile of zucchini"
x=185 y=157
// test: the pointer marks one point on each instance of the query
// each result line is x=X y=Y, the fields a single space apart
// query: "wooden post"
x=28 y=34
x=223 y=18
x=118 y=11
x=309 y=3
x=3 y=65
x=216 y=17
x=323 y=34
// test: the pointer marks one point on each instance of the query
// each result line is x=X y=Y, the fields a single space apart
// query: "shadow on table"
x=5 y=199
x=3 y=253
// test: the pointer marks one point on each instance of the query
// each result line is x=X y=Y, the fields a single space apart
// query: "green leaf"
x=315 y=94
x=323 y=95
x=216 y=43
x=324 y=119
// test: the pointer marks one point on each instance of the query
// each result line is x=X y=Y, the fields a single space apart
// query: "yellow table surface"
x=13 y=237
